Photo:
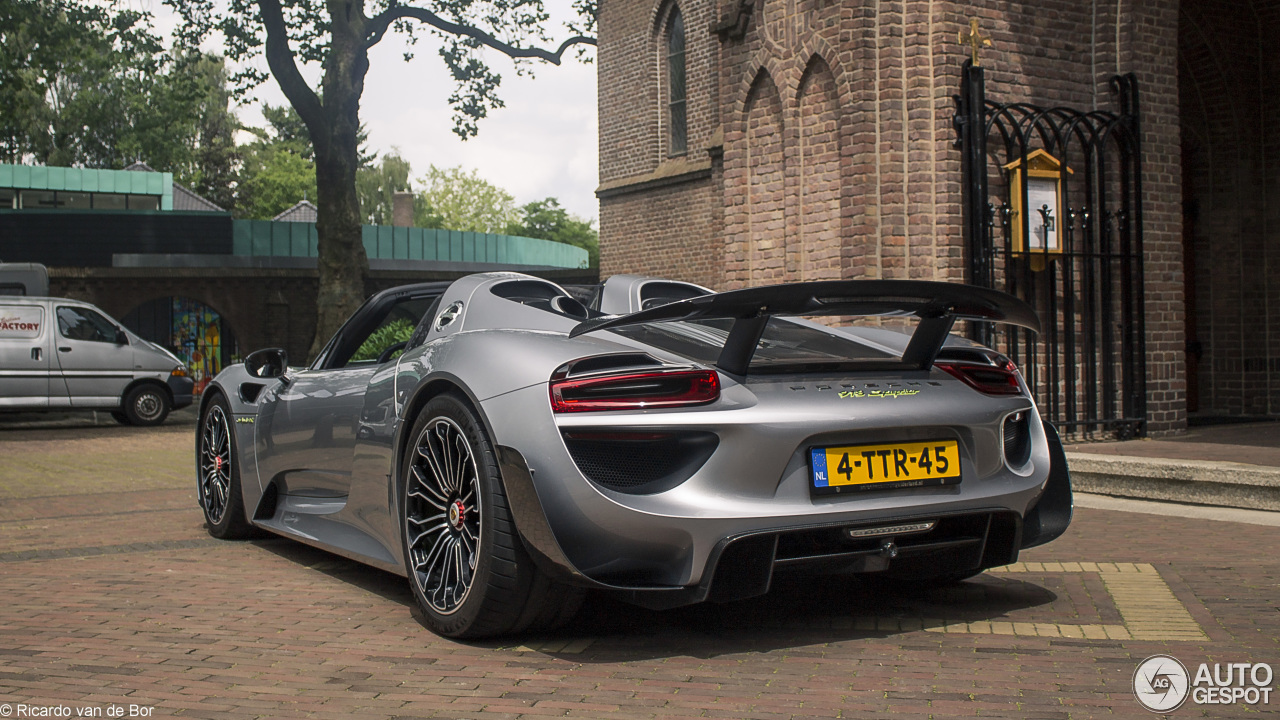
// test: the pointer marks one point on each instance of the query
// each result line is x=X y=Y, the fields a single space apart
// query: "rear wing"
x=938 y=305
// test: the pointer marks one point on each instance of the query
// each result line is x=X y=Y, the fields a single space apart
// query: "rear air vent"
x=1017 y=439
x=609 y=363
x=639 y=463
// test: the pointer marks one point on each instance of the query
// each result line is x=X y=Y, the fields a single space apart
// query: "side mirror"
x=267 y=363
x=121 y=338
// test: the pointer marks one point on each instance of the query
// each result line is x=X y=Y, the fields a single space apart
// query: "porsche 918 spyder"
x=507 y=446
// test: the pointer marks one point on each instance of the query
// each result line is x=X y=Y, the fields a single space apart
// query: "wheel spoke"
x=459 y=466
x=428 y=558
x=449 y=461
x=432 y=497
x=437 y=471
x=440 y=528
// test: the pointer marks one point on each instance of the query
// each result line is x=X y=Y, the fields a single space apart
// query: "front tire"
x=218 y=474
x=146 y=405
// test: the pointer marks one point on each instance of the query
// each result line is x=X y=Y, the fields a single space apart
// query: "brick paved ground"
x=112 y=594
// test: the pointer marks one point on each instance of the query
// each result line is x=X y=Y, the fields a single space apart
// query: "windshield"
x=786 y=345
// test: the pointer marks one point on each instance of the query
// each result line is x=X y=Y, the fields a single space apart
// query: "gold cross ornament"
x=974 y=39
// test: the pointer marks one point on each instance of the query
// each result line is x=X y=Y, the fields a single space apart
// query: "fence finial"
x=974 y=39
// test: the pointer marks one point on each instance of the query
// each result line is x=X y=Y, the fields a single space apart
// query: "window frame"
x=676 y=110
x=88 y=314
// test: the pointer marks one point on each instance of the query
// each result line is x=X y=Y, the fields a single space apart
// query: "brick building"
x=745 y=142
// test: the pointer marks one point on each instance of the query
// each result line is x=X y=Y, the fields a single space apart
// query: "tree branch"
x=378 y=25
x=281 y=61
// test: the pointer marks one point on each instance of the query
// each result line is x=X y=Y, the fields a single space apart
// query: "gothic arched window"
x=676 y=113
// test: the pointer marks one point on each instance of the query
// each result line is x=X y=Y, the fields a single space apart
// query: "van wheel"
x=120 y=417
x=146 y=405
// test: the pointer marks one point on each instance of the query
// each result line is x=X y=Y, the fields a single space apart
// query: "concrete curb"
x=1224 y=484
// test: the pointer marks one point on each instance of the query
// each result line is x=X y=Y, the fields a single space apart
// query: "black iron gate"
x=1076 y=256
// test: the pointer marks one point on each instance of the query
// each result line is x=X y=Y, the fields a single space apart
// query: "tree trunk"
x=342 y=264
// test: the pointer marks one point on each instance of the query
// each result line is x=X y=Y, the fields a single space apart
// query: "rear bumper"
x=743 y=565
x=180 y=388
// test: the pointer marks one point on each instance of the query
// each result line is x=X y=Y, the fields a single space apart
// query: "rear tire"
x=218 y=474
x=468 y=570
x=146 y=405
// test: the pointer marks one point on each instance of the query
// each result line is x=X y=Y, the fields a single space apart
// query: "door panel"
x=96 y=370
x=307 y=431
x=24 y=356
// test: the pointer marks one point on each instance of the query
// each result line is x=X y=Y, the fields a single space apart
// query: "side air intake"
x=639 y=463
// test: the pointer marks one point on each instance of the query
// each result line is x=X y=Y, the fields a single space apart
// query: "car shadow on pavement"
x=797 y=611
x=385 y=585
x=806 y=611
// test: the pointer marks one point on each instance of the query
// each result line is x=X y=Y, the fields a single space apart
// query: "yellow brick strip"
x=1147 y=605
x=559 y=647
x=1021 y=629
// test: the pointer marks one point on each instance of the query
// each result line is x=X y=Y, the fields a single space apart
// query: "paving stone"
x=114 y=596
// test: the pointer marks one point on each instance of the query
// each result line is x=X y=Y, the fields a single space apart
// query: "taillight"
x=990 y=379
x=635 y=391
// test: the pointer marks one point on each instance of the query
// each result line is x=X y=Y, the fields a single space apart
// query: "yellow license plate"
x=861 y=467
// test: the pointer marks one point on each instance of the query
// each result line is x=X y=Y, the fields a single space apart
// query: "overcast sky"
x=543 y=143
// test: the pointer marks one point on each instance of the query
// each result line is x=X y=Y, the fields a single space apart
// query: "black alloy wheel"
x=217 y=473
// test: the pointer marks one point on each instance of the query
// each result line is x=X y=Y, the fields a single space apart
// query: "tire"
x=218 y=474
x=146 y=405
x=120 y=417
x=469 y=572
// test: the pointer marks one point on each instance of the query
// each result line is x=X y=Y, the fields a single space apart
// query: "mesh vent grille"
x=622 y=465
x=640 y=466
x=1017 y=439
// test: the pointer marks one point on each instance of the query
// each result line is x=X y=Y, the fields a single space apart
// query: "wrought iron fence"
x=1075 y=255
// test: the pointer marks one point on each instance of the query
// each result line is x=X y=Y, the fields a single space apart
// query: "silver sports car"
x=506 y=444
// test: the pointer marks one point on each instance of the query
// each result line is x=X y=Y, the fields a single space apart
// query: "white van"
x=66 y=354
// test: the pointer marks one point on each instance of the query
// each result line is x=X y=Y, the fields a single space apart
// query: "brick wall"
x=837 y=145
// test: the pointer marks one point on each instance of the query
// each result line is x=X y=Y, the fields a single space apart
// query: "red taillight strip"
x=987 y=379
x=635 y=391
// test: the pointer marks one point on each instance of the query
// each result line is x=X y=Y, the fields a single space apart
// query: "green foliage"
x=396 y=331
x=377 y=185
x=286 y=131
x=274 y=179
x=547 y=220
x=289 y=131
x=460 y=200
x=81 y=85
x=279 y=166
x=213 y=170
